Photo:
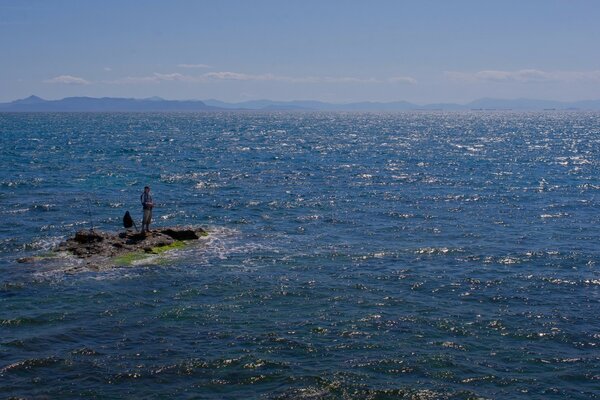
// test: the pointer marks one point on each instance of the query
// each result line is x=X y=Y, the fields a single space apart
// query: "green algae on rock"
x=131 y=258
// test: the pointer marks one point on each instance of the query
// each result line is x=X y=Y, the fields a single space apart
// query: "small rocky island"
x=96 y=248
x=86 y=243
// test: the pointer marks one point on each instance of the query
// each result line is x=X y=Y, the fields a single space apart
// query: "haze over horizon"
x=422 y=52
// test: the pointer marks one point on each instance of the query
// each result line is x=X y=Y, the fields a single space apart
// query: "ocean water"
x=369 y=256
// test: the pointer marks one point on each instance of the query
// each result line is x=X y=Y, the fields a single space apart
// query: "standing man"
x=146 y=199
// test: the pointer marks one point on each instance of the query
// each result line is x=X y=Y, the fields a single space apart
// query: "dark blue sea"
x=350 y=256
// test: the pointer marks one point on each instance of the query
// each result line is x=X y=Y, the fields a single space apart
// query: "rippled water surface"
x=425 y=256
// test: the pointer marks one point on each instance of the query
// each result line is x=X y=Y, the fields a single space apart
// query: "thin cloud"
x=68 y=80
x=133 y=80
x=334 y=79
x=154 y=78
x=237 y=76
x=403 y=79
x=523 y=76
x=172 y=77
x=194 y=66
x=227 y=75
x=240 y=76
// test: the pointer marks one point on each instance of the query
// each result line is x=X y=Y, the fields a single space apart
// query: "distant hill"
x=104 y=104
x=157 y=104
x=533 y=104
x=313 y=105
x=481 y=104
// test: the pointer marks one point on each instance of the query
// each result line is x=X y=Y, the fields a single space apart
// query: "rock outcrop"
x=87 y=244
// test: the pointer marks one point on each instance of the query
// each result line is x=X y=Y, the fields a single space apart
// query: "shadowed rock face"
x=86 y=244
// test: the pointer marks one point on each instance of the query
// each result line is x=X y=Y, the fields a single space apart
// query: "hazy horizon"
x=233 y=51
x=274 y=100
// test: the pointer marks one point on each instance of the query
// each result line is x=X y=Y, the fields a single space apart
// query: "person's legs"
x=146 y=221
x=149 y=219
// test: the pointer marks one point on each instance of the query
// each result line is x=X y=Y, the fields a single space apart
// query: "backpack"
x=127 y=220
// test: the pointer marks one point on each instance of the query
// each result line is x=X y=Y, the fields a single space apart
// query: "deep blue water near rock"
x=416 y=255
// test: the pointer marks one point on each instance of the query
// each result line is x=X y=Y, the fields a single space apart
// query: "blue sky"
x=234 y=50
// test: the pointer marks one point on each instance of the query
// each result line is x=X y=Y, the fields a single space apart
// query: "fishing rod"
x=90 y=214
x=135 y=226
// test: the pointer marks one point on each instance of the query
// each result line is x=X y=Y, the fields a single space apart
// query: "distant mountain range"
x=157 y=104
x=104 y=104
